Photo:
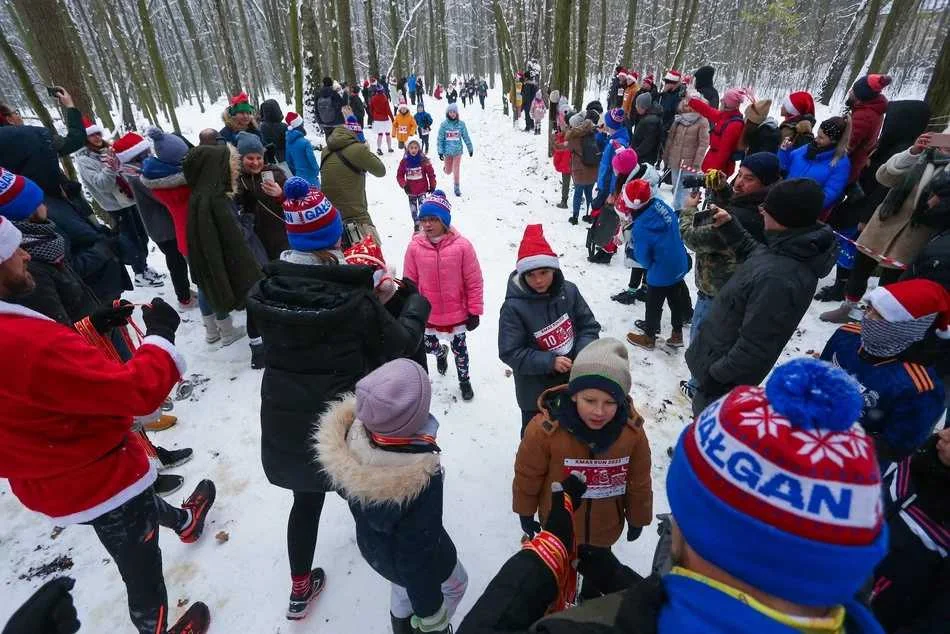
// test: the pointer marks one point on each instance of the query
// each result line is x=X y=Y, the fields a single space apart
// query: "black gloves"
x=560 y=521
x=441 y=157
x=529 y=525
x=160 y=320
x=471 y=154
x=49 y=611
x=633 y=532
x=406 y=189
x=107 y=317
x=472 y=322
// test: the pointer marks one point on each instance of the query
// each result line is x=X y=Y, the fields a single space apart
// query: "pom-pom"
x=814 y=394
x=155 y=133
x=296 y=188
x=438 y=193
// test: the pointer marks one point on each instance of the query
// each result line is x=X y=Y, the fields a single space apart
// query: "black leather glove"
x=472 y=322
x=633 y=532
x=471 y=154
x=441 y=157
x=107 y=317
x=561 y=523
x=49 y=611
x=529 y=525
x=160 y=320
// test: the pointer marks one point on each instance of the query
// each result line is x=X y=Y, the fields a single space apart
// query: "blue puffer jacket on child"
x=301 y=158
x=658 y=245
x=820 y=167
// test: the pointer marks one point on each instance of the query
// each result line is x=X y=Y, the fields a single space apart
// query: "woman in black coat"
x=323 y=329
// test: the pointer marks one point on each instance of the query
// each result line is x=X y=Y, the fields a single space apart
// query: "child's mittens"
x=438 y=623
x=633 y=532
x=472 y=322
x=471 y=153
x=529 y=525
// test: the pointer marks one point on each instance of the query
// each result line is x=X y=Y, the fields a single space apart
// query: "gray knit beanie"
x=602 y=365
x=249 y=143
x=394 y=399
x=644 y=100
x=577 y=120
x=168 y=147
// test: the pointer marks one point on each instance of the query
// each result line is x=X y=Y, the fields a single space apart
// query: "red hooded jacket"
x=867 y=117
x=724 y=137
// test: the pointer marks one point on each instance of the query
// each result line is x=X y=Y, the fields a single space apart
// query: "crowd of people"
x=817 y=503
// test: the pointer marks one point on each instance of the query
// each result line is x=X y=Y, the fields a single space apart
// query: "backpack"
x=602 y=232
x=590 y=153
x=325 y=110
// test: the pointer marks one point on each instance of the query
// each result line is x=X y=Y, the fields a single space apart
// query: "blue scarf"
x=413 y=161
x=153 y=169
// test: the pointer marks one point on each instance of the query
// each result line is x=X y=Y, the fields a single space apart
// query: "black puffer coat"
x=530 y=320
x=323 y=330
x=703 y=81
x=274 y=130
x=758 y=309
x=59 y=293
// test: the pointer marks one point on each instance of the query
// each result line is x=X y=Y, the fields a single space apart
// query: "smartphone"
x=703 y=217
x=941 y=140
x=267 y=177
x=52 y=91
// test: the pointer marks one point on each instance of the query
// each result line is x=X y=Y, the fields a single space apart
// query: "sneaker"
x=173 y=457
x=831 y=293
x=675 y=340
x=572 y=220
x=841 y=314
x=142 y=281
x=166 y=484
x=587 y=218
x=641 y=340
x=257 y=356
x=458 y=190
x=199 y=503
x=195 y=621
x=625 y=297
x=152 y=273
x=561 y=205
x=687 y=390
x=300 y=603
x=642 y=293
x=391 y=150
x=641 y=324
x=378 y=151
x=442 y=360
x=165 y=421
x=467 y=392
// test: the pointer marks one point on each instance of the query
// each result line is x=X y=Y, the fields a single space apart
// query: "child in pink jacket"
x=443 y=265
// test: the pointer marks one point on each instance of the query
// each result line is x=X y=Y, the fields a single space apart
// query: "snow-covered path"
x=245 y=580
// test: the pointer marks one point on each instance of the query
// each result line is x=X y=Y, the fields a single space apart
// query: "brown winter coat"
x=540 y=461
x=687 y=142
x=268 y=212
x=581 y=174
x=896 y=237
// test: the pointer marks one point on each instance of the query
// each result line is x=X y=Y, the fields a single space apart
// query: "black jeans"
x=133 y=240
x=602 y=571
x=864 y=266
x=177 y=268
x=130 y=535
x=302 y=527
x=425 y=143
x=526 y=416
x=676 y=295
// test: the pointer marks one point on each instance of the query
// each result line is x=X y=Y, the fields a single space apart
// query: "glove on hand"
x=560 y=521
x=160 y=320
x=529 y=525
x=472 y=322
x=715 y=180
x=107 y=317
x=49 y=611
x=441 y=157
x=633 y=532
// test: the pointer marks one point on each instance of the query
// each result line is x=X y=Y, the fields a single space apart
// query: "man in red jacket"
x=66 y=441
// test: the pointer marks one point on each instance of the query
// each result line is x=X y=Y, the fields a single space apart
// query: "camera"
x=694 y=181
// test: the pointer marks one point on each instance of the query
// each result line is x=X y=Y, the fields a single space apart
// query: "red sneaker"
x=199 y=503
x=300 y=603
x=195 y=621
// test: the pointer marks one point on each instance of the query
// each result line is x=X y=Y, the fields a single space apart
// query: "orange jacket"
x=628 y=97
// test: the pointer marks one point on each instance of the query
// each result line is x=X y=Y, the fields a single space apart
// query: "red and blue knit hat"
x=614 y=118
x=780 y=487
x=437 y=205
x=19 y=196
x=312 y=222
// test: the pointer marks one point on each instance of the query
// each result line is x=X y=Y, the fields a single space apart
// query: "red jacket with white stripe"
x=66 y=444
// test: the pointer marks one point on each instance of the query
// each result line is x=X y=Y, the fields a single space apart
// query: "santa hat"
x=91 y=126
x=293 y=120
x=913 y=300
x=130 y=145
x=634 y=75
x=19 y=196
x=367 y=252
x=311 y=220
x=672 y=77
x=10 y=238
x=535 y=252
x=799 y=103
x=780 y=487
x=870 y=86
x=649 y=80
x=636 y=194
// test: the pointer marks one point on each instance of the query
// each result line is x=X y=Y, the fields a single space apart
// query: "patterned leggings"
x=459 y=351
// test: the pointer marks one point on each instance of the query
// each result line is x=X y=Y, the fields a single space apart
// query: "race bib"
x=557 y=337
x=403 y=129
x=620 y=92
x=605 y=478
x=414 y=174
x=452 y=135
x=424 y=131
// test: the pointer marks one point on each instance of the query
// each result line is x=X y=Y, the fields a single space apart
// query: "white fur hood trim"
x=366 y=474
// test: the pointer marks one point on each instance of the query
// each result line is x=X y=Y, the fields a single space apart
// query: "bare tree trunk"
x=232 y=79
x=23 y=77
x=311 y=44
x=371 y=36
x=684 y=34
x=626 y=51
x=132 y=68
x=864 y=40
x=252 y=55
x=295 y=55
x=202 y=59
x=164 y=88
x=896 y=18
x=505 y=60
x=840 y=60
x=180 y=40
x=346 y=43
x=938 y=92
x=580 y=79
x=602 y=47
x=560 y=75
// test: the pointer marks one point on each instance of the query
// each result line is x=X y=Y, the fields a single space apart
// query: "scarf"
x=421 y=442
x=884 y=339
x=413 y=161
x=898 y=194
x=41 y=241
x=598 y=440
x=686 y=118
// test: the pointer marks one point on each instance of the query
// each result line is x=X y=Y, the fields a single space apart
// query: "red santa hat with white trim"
x=673 y=76
x=636 y=194
x=293 y=120
x=914 y=300
x=91 y=126
x=799 y=103
x=535 y=252
x=130 y=145
x=10 y=238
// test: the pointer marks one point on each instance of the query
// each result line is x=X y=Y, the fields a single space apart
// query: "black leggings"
x=177 y=268
x=636 y=278
x=864 y=266
x=302 y=526
x=603 y=573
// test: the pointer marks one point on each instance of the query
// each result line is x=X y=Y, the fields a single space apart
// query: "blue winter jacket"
x=301 y=158
x=451 y=135
x=423 y=122
x=411 y=83
x=606 y=180
x=658 y=245
x=832 y=178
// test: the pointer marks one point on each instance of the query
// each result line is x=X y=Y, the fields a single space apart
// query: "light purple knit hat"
x=394 y=399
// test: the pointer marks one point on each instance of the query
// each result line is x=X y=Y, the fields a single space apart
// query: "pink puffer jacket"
x=448 y=275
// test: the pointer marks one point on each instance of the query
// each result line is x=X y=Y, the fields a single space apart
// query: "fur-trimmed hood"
x=366 y=474
x=165 y=182
x=229 y=121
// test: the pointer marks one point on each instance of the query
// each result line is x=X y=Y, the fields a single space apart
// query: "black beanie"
x=764 y=165
x=795 y=202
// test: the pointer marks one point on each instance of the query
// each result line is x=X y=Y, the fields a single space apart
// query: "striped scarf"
x=885 y=339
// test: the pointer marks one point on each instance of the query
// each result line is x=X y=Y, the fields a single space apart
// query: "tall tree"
x=897 y=17
x=560 y=74
x=23 y=77
x=938 y=92
x=864 y=40
x=346 y=44
x=206 y=77
x=686 y=28
x=580 y=78
x=840 y=59
x=311 y=44
x=232 y=79
x=180 y=41
x=163 y=87
x=373 y=54
x=295 y=55
x=626 y=51
x=602 y=46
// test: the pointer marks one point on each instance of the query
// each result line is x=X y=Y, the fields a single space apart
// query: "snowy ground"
x=245 y=580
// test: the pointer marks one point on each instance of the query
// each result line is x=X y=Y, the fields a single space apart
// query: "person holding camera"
x=758 y=309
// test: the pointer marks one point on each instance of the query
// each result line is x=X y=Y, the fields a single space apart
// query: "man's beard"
x=23 y=286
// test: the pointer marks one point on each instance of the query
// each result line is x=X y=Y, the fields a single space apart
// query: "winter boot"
x=300 y=603
x=153 y=274
x=601 y=257
x=458 y=190
x=641 y=324
x=641 y=340
x=842 y=314
x=625 y=297
x=642 y=293
x=164 y=422
x=442 y=360
x=173 y=457
x=561 y=205
x=198 y=504
x=587 y=218
x=467 y=392
x=166 y=484
x=572 y=220
x=229 y=332
x=257 y=356
x=212 y=334
x=142 y=280
x=195 y=621
x=401 y=626
x=832 y=293
x=675 y=340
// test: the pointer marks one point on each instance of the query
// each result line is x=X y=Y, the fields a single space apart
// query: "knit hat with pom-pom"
x=870 y=86
x=613 y=119
x=169 y=148
x=780 y=487
x=436 y=205
x=624 y=161
x=311 y=220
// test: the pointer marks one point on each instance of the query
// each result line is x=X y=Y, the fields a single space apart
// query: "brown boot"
x=641 y=340
x=675 y=340
x=164 y=422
